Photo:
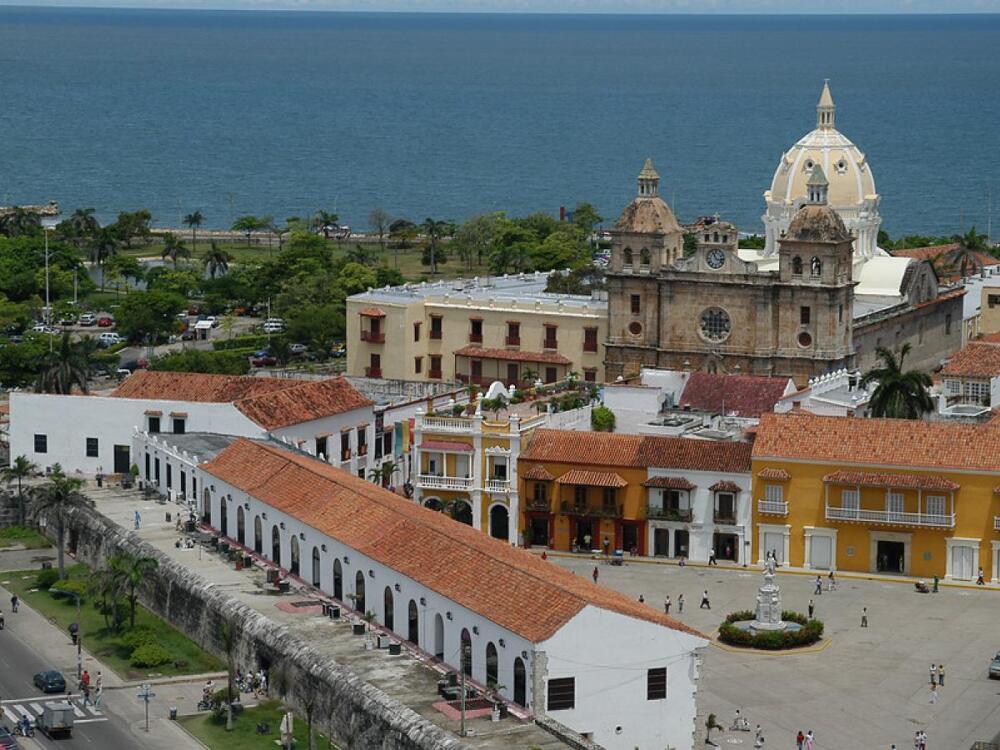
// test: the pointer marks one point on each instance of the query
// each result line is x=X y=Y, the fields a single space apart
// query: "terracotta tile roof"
x=588 y=448
x=893 y=481
x=742 y=395
x=511 y=587
x=725 y=486
x=444 y=445
x=548 y=358
x=697 y=455
x=303 y=402
x=537 y=474
x=372 y=312
x=926 y=253
x=270 y=402
x=592 y=478
x=977 y=359
x=988 y=338
x=879 y=442
x=775 y=475
x=198 y=387
x=669 y=483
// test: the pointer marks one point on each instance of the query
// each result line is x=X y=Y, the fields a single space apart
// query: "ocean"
x=447 y=116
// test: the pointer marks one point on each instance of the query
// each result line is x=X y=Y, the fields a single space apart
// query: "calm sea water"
x=452 y=115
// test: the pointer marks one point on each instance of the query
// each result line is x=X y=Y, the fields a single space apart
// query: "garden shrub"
x=150 y=655
x=76 y=586
x=138 y=637
x=770 y=640
x=47 y=578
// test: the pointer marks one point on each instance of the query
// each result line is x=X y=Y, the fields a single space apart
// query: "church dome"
x=648 y=213
x=817 y=223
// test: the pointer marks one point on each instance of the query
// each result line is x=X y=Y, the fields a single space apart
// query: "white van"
x=109 y=338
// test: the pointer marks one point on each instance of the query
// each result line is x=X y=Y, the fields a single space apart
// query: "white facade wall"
x=304 y=436
x=702 y=527
x=611 y=679
x=184 y=468
x=67 y=422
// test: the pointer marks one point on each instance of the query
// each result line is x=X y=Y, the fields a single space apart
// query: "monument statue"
x=768 y=602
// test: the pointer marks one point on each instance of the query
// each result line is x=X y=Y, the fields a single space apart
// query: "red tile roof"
x=372 y=312
x=725 y=486
x=775 y=475
x=511 y=587
x=977 y=359
x=592 y=478
x=444 y=445
x=670 y=483
x=891 y=481
x=537 y=474
x=879 y=442
x=270 y=402
x=696 y=455
x=511 y=355
x=742 y=395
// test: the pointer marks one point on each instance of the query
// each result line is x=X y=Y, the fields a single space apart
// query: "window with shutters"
x=562 y=693
x=656 y=684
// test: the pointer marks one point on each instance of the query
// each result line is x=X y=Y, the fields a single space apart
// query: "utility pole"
x=466 y=648
x=146 y=695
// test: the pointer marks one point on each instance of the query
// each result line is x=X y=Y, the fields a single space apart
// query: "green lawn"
x=212 y=731
x=18 y=535
x=103 y=644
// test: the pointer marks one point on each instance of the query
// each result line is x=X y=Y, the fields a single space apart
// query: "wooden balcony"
x=475 y=338
x=434 y=374
x=890 y=517
x=538 y=506
x=373 y=337
x=435 y=334
x=727 y=519
x=772 y=507
x=590 y=346
x=550 y=344
x=594 y=511
x=656 y=513
x=373 y=372
x=512 y=341
x=996 y=523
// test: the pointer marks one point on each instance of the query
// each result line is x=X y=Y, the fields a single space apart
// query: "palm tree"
x=899 y=394
x=57 y=500
x=216 y=260
x=323 y=220
x=103 y=245
x=81 y=226
x=105 y=584
x=19 y=221
x=19 y=470
x=247 y=225
x=132 y=570
x=194 y=220
x=68 y=366
x=173 y=248
x=434 y=231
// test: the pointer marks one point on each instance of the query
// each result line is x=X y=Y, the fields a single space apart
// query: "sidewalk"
x=120 y=697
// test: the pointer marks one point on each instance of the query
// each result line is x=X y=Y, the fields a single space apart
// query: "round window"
x=809 y=164
x=805 y=339
x=635 y=328
x=714 y=324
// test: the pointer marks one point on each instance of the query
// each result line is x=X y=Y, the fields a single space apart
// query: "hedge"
x=770 y=640
x=241 y=342
x=150 y=655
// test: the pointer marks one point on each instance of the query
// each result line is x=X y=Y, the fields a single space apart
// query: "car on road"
x=42 y=328
x=995 y=667
x=7 y=741
x=263 y=358
x=87 y=319
x=50 y=681
x=298 y=348
x=274 y=326
x=67 y=319
x=105 y=322
x=108 y=338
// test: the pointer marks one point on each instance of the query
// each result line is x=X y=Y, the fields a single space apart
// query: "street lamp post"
x=79 y=630
x=48 y=223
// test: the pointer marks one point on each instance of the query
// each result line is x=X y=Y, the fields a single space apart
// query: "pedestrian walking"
x=819 y=586
x=980 y=581
x=666 y=605
x=933 y=697
x=941 y=675
x=14 y=602
x=680 y=603
x=711 y=557
x=831 y=582
x=86 y=694
x=642 y=599
x=800 y=740
x=138 y=520
x=595 y=574
x=98 y=690
x=586 y=542
x=85 y=680
x=809 y=740
x=916 y=740
x=934 y=674
x=812 y=608
x=864 y=617
x=758 y=733
x=704 y=600
x=607 y=546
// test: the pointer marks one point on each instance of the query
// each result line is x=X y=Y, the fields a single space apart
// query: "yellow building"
x=479 y=330
x=878 y=495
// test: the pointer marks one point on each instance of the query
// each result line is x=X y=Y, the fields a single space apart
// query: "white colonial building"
x=502 y=615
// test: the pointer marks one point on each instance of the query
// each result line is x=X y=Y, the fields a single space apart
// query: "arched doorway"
x=466 y=653
x=241 y=525
x=439 y=636
x=413 y=624
x=206 y=507
x=434 y=504
x=492 y=665
x=294 y=568
x=388 y=615
x=258 y=535
x=223 y=517
x=461 y=511
x=359 y=592
x=520 y=683
x=338 y=581
x=276 y=546
x=315 y=578
x=499 y=520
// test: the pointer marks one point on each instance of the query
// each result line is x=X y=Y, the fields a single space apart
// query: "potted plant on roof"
x=499 y=709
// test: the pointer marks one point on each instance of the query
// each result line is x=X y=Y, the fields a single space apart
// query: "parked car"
x=274 y=326
x=263 y=358
x=187 y=335
x=7 y=741
x=134 y=364
x=109 y=338
x=50 y=681
x=298 y=348
x=105 y=321
x=67 y=319
x=995 y=667
x=42 y=328
x=87 y=319
x=340 y=350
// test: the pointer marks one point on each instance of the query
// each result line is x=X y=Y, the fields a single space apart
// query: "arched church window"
x=797 y=265
x=644 y=256
x=815 y=266
x=627 y=255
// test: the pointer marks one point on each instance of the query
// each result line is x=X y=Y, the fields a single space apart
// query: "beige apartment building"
x=505 y=328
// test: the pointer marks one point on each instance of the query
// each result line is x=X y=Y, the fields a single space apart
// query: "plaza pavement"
x=865 y=688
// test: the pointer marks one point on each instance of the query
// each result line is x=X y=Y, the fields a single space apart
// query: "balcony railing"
x=447 y=424
x=475 y=338
x=590 y=346
x=772 y=507
x=657 y=513
x=550 y=344
x=474 y=379
x=891 y=517
x=498 y=485
x=602 y=511
x=373 y=372
x=728 y=519
x=512 y=341
x=363 y=449
x=996 y=523
x=433 y=482
x=434 y=374
x=373 y=337
x=435 y=334
x=538 y=506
